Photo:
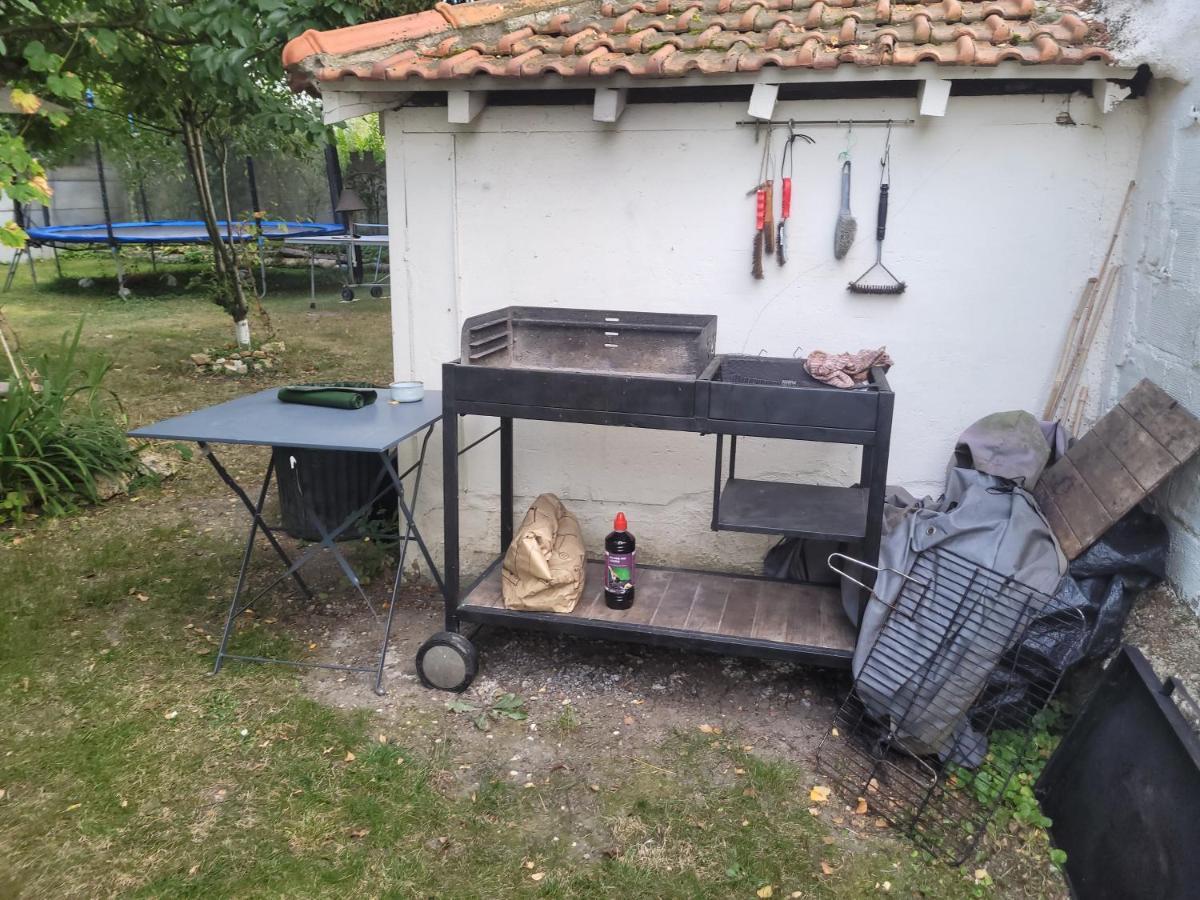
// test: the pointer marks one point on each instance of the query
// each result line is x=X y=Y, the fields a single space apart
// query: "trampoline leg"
x=57 y=263
x=116 y=255
x=13 y=264
x=32 y=267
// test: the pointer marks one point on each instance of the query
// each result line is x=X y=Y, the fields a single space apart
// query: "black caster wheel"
x=448 y=662
x=347 y=295
x=376 y=292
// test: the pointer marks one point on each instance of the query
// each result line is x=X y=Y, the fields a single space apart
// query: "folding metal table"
x=261 y=419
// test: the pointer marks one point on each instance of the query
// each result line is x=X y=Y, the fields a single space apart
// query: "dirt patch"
x=1167 y=631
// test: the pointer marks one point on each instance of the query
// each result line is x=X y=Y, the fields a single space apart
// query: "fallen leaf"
x=595 y=788
x=73 y=807
x=819 y=794
x=350 y=757
x=765 y=891
x=629 y=720
x=710 y=729
x=359 y=832
x=170 y=715
x=739 y=771
x=828 y=839
x=887 y=886
x=982 y=876
x=826 y=868
x=537 y=876
x=794 y=894
x=312 y=646
x=194 y=869
x=383 y=739
x=872 y=786
x=834 y=732
x=861 y=808
x=749 y=792
x=881 y=822
x=529 y=864
x=814 y=811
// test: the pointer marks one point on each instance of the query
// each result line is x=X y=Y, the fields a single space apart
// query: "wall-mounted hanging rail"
x=850 y=123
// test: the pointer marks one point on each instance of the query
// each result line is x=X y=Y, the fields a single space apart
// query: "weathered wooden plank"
x=1067 y=539
x=1079 y=505
x=738 y=620
x=1131 y=451
x=1109 y=481
x=708 y=605
x=771 y=612
x=836 y=629
x=1162 y=416
x=804 y=621
x=1140 y=453
x=677 y=601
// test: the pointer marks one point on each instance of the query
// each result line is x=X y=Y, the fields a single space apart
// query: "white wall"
x=998 y=216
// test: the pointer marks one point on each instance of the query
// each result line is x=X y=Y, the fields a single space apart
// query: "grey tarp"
x=989 y=521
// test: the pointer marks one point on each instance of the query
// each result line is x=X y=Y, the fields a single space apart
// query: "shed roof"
x=515 y=39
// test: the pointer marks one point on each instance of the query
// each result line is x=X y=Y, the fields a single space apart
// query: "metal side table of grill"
x=659 y=371
x=261 y=419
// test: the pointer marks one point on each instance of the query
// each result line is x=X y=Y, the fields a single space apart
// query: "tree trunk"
x=229 y=295
x=233 y=247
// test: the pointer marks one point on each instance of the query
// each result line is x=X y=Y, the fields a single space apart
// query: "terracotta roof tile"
x=665 y=38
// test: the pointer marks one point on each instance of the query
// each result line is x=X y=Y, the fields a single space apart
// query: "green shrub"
x=59 y=437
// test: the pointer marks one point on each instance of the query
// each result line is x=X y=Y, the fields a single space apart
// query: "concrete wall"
x=998 y=216
x=1157 y=332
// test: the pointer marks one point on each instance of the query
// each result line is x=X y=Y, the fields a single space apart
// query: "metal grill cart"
x=371 y=434
x=659 y=371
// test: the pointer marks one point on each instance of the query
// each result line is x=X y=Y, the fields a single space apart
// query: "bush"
x=57 y=438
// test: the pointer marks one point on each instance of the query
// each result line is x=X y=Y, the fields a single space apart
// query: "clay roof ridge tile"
x=621 y=25
x=816 y=14
x=965 y=47
x=505 y=44
x=746 y=22
x=570 y=44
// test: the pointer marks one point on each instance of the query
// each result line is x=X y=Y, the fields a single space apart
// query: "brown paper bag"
x=544 y=566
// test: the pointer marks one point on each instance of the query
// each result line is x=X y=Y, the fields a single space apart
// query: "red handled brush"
x=760 y=215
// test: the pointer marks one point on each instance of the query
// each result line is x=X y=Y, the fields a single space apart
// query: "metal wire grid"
x=953 y=666
x=765 y=370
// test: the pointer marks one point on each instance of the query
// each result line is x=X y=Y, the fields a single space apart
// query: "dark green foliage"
x=58 y=437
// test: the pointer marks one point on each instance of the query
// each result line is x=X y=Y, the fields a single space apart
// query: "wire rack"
x=937 y=724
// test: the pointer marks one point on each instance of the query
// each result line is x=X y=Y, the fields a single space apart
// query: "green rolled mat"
x=330 y=396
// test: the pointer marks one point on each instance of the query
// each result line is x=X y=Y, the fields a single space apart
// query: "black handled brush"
x=893 y=285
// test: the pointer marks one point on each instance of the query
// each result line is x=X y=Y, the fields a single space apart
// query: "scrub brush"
x=847 y=227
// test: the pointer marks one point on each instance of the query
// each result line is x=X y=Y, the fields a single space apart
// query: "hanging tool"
x=761 y=206
x=847 y=228
x=894 y=285
x=787 y=163
x=760 y=211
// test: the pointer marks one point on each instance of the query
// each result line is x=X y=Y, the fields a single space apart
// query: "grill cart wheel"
x=347 y=294
x=376 y=291
x=447 y=661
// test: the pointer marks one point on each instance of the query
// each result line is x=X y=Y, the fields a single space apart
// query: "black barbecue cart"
x=659 y=371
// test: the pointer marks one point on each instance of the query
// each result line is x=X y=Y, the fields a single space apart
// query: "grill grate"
x=938 y=723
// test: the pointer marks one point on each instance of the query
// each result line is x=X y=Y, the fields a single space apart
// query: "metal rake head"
x=895 y=286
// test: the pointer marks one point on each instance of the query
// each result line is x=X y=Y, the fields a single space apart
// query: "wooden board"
x=705 y=604
x=1112 y=468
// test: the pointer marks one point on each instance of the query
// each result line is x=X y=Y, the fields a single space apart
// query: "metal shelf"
x=743 y=615
x=793 y=510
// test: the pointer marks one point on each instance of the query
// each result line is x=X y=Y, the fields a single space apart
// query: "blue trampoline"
x=176 y=231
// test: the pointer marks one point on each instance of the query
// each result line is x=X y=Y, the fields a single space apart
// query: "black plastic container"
x=620 y=565
x=334 y=483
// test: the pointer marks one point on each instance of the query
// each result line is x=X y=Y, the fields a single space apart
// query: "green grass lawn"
x=125 y=769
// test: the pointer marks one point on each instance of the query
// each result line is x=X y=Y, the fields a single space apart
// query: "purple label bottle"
x=620 y=565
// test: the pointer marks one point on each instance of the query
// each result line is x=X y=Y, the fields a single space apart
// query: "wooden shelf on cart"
x=702 y=610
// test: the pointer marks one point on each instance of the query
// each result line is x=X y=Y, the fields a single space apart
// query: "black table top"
x=263 y=420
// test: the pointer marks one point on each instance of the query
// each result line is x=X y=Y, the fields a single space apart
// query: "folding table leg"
x=410 y=528
x=241 y=581
x=256 y=511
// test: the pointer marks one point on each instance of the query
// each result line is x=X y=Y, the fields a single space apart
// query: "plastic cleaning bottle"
x=620 y=567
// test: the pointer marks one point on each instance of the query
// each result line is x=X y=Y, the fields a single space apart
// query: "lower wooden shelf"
x=725 y=613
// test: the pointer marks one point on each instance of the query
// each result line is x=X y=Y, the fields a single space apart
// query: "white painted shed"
x=595 y=154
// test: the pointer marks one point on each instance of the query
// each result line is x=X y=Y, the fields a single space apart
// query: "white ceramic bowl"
x=407 y=391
